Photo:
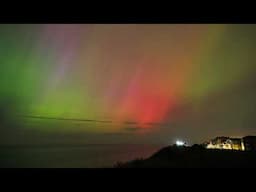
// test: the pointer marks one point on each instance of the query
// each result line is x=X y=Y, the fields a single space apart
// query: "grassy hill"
x=194 y=157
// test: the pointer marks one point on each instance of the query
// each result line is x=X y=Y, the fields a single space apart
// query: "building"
x=225 y=143
x=249 y=143
x=236 y=144
x=219 y=143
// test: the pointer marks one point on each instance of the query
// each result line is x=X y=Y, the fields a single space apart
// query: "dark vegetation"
x=194 y=157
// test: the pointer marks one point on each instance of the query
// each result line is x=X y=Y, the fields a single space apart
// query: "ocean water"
x=87 y=156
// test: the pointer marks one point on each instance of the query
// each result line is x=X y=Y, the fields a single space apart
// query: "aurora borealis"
x=148 y=83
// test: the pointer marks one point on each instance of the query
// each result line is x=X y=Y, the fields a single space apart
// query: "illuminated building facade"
x=225 y=143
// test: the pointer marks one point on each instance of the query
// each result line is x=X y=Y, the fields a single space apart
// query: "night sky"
x=126 y=83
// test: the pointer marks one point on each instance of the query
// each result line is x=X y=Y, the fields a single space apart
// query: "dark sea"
x=87 y=156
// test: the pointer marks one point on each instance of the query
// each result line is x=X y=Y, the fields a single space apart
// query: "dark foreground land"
x=194 y=157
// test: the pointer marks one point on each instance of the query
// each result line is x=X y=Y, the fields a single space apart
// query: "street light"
x=180 y=143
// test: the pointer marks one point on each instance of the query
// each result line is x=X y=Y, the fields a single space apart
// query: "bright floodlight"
x=179 y=143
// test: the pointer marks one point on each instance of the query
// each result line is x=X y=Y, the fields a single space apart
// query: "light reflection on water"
x=89 y=156
x=39 y=143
